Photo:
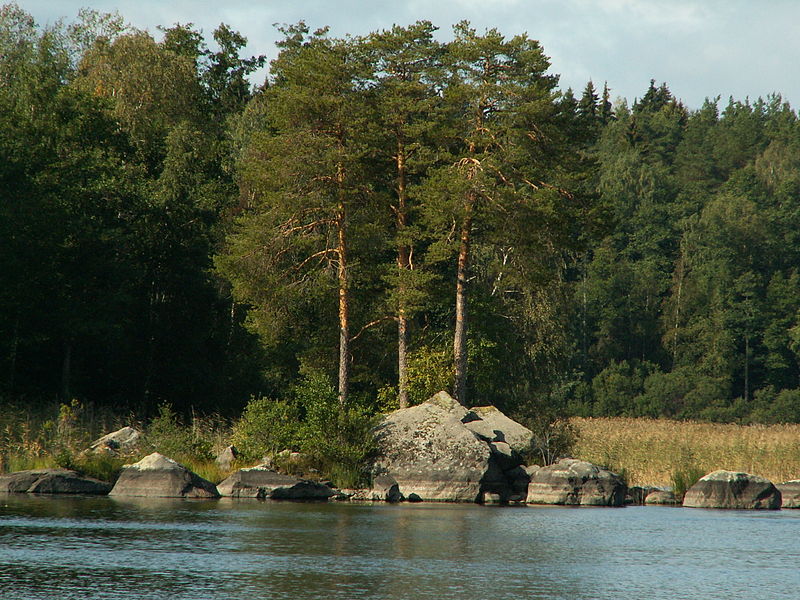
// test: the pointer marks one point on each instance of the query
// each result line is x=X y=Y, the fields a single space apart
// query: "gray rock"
x=575 y=482
x=156 y=476
x=790 y=493
x=122 y=441
x=432 y=455
x=638 y=493
x=385 y=489
x=262 y=482
x=729 y=489
x=661 y=497
x=519 y=480
x=224 y=459
x=52 y=481
x=507 y=459
x=494 y=426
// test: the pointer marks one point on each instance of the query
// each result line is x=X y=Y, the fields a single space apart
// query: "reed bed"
x=653 y=451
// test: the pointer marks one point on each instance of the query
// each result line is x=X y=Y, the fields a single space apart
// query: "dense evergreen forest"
x=391 y=214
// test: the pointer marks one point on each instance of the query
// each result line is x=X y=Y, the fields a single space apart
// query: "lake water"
x=92 y=548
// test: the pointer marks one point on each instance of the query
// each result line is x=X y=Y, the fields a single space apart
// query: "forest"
x=386 y=215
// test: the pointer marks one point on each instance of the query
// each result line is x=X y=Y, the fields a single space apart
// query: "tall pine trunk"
x=460 y=334
x=403 y=263
x=344 y=301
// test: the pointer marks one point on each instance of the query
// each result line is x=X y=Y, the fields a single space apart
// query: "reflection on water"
x=76 y=548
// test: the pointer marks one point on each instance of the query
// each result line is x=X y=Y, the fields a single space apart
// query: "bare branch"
x=307 y=226
x=372 y=324
x=319 y=254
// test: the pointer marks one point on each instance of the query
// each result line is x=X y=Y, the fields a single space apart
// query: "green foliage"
x=338 y=440
x=156 y=213
x=429 y=371
x=685 y=475
x=102 y=466
x=771 y=407
x=616 y=387
x=168 y=435
x=267 y=427
x=554 y=436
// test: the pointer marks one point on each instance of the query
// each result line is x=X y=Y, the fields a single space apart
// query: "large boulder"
x=790 y=493
x=52 y=481
x=157 y=476
x=262 y=482
x=122 y=441
x=432 y=455
x=575 y=482
x=729 y=489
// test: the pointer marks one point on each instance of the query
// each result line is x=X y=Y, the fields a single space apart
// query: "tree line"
x=393 y=214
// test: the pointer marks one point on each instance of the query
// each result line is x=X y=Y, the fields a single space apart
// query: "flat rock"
x=117 y=442
x=494 y=426
x=156 y=476
x=575 y=482
x=52 y=481
x=432 y=455
x=790 y=493
x=730 y=489
x=262 y=482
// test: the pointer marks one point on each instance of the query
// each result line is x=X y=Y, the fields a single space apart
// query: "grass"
x=663 y=452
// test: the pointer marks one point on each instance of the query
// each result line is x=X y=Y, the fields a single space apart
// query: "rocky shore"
x=438 y=451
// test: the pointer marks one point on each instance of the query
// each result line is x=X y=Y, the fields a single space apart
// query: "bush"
x=266 y=427
x=770 y=407
x=169 y=436
x=340 y=439
x=554 y=436
x=683 y=477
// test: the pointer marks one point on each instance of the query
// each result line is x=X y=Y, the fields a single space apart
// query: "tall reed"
x=655 y=451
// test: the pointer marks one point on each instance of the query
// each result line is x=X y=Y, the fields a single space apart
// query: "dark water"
x=78 y=548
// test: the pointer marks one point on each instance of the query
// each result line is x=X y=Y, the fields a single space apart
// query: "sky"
x=700 y=48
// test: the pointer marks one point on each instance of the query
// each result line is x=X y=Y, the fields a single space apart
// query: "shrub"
x=683 y=477
x=266 y=427
x=553 y=437
x=169 y=436
x=340 y=439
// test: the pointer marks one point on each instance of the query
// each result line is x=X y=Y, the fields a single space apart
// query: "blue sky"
x=701 y=48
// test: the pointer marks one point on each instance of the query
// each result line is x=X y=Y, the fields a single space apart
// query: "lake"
x=92 y=548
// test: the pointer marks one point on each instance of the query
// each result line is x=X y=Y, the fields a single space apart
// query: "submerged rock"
x=52 y=481
x=575 y=482
x=262 y=482
x=157 y=476
x=729 y=489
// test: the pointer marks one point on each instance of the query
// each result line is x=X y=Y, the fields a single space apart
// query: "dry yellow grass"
x=650 y=450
